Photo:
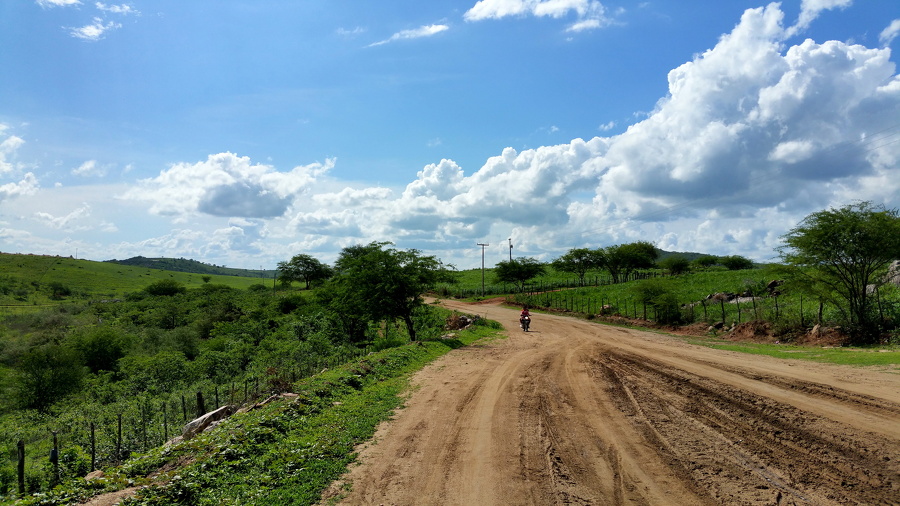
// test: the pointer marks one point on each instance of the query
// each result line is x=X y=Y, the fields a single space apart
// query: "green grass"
x=24 y=279
x=875 y=356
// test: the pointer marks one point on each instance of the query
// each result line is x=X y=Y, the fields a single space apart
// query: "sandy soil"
x=579 y=413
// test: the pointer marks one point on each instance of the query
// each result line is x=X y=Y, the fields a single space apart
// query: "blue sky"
x=244 y=132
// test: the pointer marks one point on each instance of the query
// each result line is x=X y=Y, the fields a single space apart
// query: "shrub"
x=165 y=287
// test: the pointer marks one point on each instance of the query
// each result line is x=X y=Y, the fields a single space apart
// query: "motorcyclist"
x=524 y=314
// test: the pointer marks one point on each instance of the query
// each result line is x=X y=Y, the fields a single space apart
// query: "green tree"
x=518 y=271
x=839 y=253
x=736 y=262
x=578 y=261
x=675 y=264
x=304 y=268
x=706 y=261
x=376 y=282
x=165 y=287
x=46 y=374
x=657 y=294
x=101 y=347
x=622 y=260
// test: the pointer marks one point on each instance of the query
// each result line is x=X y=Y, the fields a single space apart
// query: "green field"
x=26 y=280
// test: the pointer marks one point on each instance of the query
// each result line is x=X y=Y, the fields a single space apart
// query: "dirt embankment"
x=578 y=413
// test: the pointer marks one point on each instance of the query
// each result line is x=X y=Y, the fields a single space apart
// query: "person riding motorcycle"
x=522 y=318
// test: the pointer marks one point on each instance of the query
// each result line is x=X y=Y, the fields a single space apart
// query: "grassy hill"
x=33 y=279
x=192 y=266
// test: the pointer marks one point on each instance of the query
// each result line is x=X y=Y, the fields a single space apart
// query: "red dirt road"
x=580 y=413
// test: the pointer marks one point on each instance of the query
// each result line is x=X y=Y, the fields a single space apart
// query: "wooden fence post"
x=93 y=448
x=20 y=465
x=54 y=460
x=201 y=407
x=119 y=440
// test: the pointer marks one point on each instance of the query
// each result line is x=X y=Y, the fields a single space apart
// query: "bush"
x=736 y=262
x=165 y=287
x=675 y=265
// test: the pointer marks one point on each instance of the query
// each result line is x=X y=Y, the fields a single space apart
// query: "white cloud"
x=810 y=10
x=350 y=32
x=416 y=33
x=8 y=148
x=890 y=33
x=95 y=30
x=123 y=9
x=27 y=186
x=57 y=3
x=226 y=185
x=89 y=168
x=72 y=222
x=591 y=14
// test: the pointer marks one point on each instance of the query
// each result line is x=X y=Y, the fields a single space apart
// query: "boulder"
x=198 y=425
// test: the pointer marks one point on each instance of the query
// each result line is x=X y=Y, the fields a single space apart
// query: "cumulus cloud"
x=8 y=148
x=28 y=185
x=416 y=33
x=751 y=137
x=226 y=185
x=95 y=30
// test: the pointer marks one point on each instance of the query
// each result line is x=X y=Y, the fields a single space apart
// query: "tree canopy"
x=622 y=260
x=304 y=268
x=375 y=281
x=578 y=261
x=518 y=271
x=840 y=253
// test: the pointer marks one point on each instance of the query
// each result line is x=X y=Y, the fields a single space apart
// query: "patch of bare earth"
x=580 y=413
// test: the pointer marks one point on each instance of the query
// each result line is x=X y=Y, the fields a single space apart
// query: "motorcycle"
x=525 y=322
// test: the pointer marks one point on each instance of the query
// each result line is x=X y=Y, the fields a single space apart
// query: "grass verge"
x=880 y=356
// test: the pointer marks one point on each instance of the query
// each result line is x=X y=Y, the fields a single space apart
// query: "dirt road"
x=579 y=413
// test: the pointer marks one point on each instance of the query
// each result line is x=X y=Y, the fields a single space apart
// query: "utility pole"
x=482 y=266
x=510 y=249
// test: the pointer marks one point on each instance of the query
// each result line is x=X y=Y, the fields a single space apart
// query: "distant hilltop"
x=192 y=266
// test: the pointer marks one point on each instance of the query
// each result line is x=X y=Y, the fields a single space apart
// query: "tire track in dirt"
x=578 y=413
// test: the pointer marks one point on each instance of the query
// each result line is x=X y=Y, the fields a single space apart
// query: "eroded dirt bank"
x=579 y=413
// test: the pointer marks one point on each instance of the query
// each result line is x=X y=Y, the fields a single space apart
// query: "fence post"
x=93 y=448
x=54 y=460
x=201 y=407
x=119 y=440
x=20 y=465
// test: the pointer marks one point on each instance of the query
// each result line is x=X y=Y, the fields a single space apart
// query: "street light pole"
x=482 y=266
